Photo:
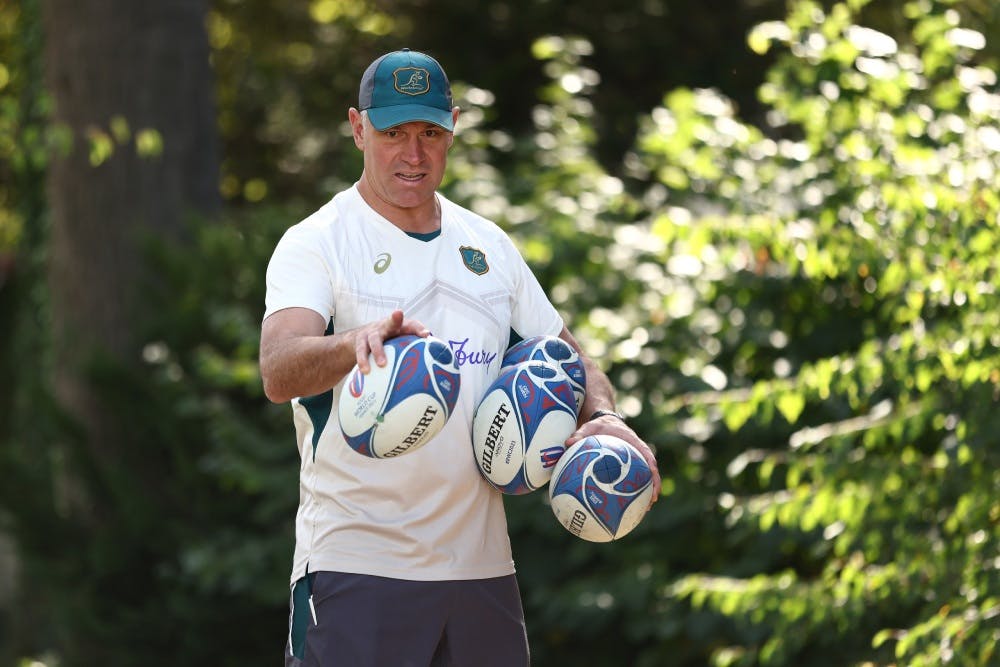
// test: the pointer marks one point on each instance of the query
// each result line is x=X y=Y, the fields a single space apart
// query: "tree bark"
x=146 y=63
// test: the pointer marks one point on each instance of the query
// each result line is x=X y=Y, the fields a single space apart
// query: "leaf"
x=882 y=636
x=736 y=415
x=790 y=405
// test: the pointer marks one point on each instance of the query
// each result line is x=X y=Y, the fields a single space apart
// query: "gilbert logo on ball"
x=399 y=407
x=521 y=424
x=601 y=488
x=557 y=352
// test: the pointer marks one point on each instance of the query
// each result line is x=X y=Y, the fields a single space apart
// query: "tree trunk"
x=147 y=64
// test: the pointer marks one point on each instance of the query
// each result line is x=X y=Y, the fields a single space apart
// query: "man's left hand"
x=611 y=425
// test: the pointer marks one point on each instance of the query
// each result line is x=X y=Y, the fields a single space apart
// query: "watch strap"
x=605 y=413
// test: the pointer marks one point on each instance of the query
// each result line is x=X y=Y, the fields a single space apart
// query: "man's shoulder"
x=326 y=215
x=474 y=221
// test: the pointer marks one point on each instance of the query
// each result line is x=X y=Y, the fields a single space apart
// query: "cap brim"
x=382 y=118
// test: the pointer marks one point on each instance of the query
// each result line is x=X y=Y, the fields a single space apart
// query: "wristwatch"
x=606 y=413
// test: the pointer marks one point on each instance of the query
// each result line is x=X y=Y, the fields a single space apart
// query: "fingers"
x=371 y=338
x=608 y=425
x=395 y=321
x=414 y=327
x=647 y=454
x=365 y=343
x=398 y=325
x=404 y=326
x=375 y=340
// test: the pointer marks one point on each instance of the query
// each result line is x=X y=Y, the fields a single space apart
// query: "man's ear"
x=357 y=127
x=454 y=123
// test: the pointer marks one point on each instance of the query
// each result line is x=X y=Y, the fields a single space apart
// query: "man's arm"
x=296 y=359
x=601 y=396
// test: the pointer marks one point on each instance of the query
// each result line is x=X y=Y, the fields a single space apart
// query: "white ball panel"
x=497 y=438
x=577 y=519
x=409 y=425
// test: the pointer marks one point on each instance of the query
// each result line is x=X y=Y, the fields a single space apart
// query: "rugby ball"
x=557 y=352
x=521 y=424
x=601 y=488
x=397 y=408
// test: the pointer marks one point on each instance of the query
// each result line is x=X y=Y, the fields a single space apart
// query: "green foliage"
x=286 y=74
x=288 y=71
x=842 y=287
x=803 y=320
x=23 y=141
x=22 y=109
x=195 y=545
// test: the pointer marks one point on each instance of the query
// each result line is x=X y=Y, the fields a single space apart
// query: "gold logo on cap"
x=412 y=80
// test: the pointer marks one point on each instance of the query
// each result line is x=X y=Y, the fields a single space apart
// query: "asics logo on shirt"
x=382 y=262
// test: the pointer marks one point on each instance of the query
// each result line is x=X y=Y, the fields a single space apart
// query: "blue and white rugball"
x=521 y=424
x=557 y=352
x=397 y=408
x=601 y=488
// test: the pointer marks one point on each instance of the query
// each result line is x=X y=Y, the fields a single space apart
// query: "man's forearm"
x=305 y=365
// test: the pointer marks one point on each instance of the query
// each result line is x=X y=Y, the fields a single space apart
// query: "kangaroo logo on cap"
x=411 y=80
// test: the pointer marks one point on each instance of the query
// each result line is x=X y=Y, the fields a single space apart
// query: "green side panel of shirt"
x=514 y=339
x=318 y=406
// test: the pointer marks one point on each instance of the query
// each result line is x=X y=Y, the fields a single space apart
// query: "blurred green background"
x=774 y=224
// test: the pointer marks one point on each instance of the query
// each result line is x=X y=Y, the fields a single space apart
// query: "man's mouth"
x=410 y=177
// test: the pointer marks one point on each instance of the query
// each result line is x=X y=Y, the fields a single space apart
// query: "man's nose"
x=413 y=151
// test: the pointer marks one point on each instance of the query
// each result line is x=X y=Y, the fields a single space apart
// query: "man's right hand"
x=368 y=339
x=297 y=359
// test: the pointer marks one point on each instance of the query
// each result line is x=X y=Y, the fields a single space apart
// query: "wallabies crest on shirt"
x=474 y=260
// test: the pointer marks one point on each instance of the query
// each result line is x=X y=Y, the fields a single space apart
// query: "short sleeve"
x=299 y=274
x=533 y=314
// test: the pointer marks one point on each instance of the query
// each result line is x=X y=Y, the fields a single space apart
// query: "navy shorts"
x=365 y=621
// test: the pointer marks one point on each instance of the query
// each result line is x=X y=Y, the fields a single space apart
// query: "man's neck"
x=422 y=219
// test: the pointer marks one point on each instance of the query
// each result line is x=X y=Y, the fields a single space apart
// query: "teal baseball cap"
x=405 y=86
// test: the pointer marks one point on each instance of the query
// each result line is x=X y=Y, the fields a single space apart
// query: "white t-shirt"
x=427 y=515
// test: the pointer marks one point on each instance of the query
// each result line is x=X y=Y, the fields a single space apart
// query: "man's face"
x=404 y=164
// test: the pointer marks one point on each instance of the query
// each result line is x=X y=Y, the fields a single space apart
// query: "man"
x=403 y=561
